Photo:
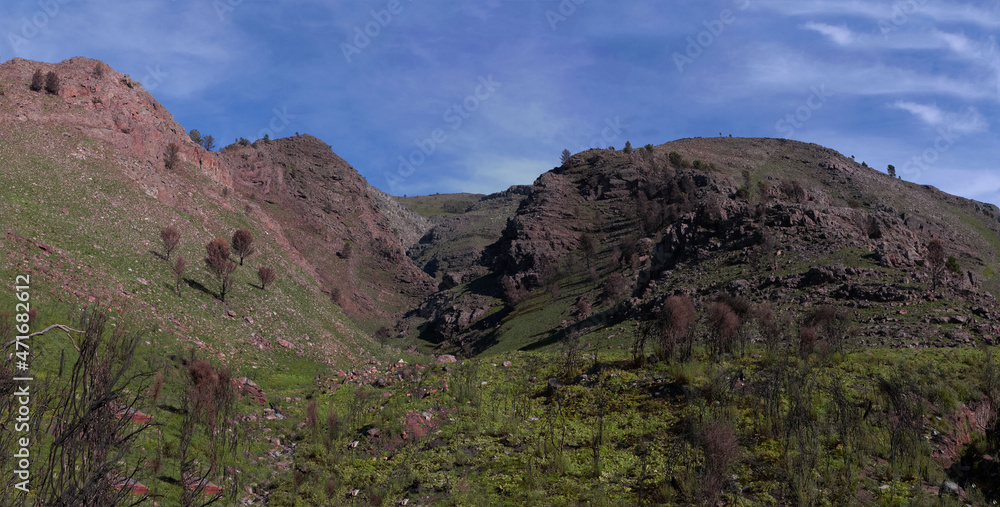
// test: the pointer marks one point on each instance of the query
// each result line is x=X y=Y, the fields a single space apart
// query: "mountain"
x=863 y=370
x=761 y=219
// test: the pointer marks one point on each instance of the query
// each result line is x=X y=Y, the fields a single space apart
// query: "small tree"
x=383 y=335
x=675 y=326
x=170 y=237
x=676 y=159
x=565 y=156
x=179 y=265
x=220 y=265
x=208 y=142
x=266 y=276
x=936 y=260
x=628 y=147
x=243 y=244
x=195 y=136
x=171 y=157
x=52 y=83
x=588 y=244
x=614 y=287
x=37 y=81
x=892 y=171
x=953 y=265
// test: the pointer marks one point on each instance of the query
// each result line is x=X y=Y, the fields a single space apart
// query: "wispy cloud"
x=969 y=121
x=838 y=34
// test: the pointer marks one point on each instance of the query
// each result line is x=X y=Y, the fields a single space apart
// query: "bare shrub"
x=220 y=265
x=723 y=324
x=178 y=268
x=312 y=415
x=171 y=157
x=171 y=237
x=37 y=81
x=807 y=340
x=512 y=294
x=614 y=287
x=243 y=244
x=675 y=326
x=52 y=83
x=721 y=447
x=266 y=276
x=936 y=260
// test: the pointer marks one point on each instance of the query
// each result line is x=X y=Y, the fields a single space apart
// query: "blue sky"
x=425 y=96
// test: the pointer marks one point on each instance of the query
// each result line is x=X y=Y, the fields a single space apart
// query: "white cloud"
x=968 y=122
x=841 y=35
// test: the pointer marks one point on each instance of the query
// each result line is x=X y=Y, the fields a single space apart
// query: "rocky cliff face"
x=350 y=236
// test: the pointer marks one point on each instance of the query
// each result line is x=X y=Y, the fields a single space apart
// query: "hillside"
x=714 y=320
x=762 y=219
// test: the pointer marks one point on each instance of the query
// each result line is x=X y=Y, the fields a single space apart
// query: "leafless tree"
x=171 y=237
x=172 y=156
x=675 y=326
x=220 y=265
x=179 y=266
x=266 y=276
x=937 y=260
x=243 y=244
x=92 y=425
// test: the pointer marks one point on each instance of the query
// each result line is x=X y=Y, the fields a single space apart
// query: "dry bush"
x=723 y=324
x=171 y=157
x=37 y=81
x=614 y=287
x=512 y=294
x=721 y=447
x=243 y=244
x=178 y=268
x=675 y=326
x=807 y=340
x=312 y=415
x=171 y=237
x=266 y=276
x=220 y=265
x=936 y=259
x=52 y=83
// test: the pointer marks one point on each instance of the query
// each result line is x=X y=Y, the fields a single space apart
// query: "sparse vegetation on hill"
x=770 y=324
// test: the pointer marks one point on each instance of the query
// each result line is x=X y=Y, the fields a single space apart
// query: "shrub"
x=195 y=136
x=953 y=265
x=219 y=265
x=699 y=165
x=676 y=159
x=98 y=71
x=170 y=237
x=723 y=323
x=312 y=415
x=37 y=81
x=52 y=83
x=614 y=287
x=171 y=158
x=512 y=294
x=565 y=156
x=243 y=244
x=266 y=276
x=892 y=171
x=936 y=261
x=793 y=190
x=721 y=447
x=628 y=147
x=242 y=141
x=178 y=268
x=675 y=326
